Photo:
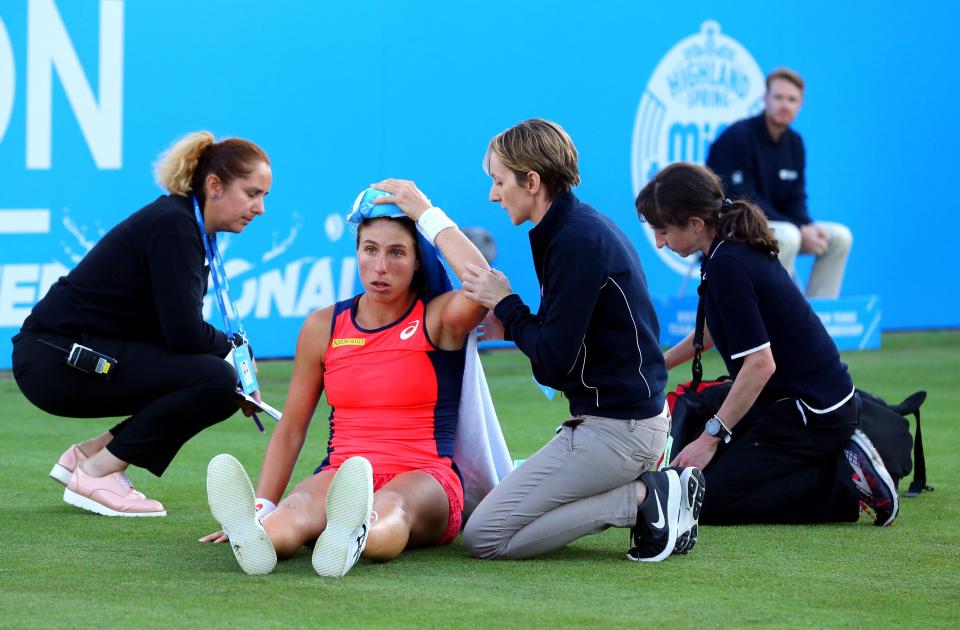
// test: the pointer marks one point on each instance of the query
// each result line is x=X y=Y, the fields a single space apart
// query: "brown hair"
x=682 y=191
x=419 y=281
x=541 y=146
x=183 y=168
x=786 y=74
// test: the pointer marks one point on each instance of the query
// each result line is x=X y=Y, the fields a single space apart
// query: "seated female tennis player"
x=391 y=361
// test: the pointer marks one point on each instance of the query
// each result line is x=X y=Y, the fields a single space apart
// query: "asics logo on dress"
x=660 y=522
x=407 y=332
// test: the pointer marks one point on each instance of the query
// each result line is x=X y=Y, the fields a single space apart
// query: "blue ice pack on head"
x=431 y=263
x=364 y=208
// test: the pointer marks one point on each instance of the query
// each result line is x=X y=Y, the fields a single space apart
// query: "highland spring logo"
x=701 y=86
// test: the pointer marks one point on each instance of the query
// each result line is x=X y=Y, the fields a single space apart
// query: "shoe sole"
x=60 y=474
x=861 y=440
x=693 y=487
x=349 y=503
x=88 y=504
x=233 y=503
x=672 y=517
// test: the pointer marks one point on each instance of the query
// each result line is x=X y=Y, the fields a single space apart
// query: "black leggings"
x=168 y=397
x=780 y=470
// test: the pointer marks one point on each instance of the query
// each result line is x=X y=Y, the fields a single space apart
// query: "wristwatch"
x=716 y=428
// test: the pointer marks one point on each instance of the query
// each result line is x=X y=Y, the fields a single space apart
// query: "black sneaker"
x=658 y=518
x=871 y=478
x=692 y=486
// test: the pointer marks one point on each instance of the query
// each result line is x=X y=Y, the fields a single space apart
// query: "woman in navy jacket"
x=594 y=337
x=791 y=418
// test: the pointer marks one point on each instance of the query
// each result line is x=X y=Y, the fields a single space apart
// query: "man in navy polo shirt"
x=762 y=159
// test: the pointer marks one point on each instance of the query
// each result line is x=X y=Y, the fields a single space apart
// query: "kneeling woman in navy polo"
x=793 y=451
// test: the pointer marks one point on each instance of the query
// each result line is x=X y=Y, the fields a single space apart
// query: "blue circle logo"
x=703 y=84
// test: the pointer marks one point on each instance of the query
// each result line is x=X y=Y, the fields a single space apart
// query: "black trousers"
x=780 y=470
x=168 y=397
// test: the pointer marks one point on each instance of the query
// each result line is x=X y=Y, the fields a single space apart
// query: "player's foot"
x=349 y=511
x=233 y=504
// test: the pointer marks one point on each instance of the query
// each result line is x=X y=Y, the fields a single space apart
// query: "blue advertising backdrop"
x=343 y=94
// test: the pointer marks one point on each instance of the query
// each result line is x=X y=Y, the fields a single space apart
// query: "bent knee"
x=484 y=542
x=217 y=375
x=787 y=235
x=841 y=238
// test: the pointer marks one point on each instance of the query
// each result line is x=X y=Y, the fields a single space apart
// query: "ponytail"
x=682 y=191
x=183 y=168
x=741 y=221
x=176 y=166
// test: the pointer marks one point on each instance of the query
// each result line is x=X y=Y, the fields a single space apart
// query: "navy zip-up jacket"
x=595 y=336
x=769 y=173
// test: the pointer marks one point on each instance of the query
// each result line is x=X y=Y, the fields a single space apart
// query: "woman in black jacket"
x=136 y=298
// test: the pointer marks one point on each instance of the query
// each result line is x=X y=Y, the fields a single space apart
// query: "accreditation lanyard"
x=220 y=283
x=242 y=360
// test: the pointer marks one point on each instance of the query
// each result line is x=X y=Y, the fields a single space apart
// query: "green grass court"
x=61 y=567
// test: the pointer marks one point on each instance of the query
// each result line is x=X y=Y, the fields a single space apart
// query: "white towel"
x=480 y=452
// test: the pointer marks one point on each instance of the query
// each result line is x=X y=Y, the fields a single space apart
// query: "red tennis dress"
x=394 y=396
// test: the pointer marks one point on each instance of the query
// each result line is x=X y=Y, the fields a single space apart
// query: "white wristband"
x=264 y=507
x=432 y=222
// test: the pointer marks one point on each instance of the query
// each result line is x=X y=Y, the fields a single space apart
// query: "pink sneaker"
x=112 y=495
x=67 y=463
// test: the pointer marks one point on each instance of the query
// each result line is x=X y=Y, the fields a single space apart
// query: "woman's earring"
x=216 y=196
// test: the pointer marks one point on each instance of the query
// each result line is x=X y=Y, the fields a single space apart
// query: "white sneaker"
x=349 y=510
x=693 y=487
x=233 y=504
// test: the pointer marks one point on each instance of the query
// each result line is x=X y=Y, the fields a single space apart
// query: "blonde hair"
x=175 y=167
x=183 y=168
x=541 y=146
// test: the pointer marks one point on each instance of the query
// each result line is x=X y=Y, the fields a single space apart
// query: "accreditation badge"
x=244 y=365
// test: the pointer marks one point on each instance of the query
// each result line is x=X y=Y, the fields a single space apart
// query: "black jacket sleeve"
x=173 y=251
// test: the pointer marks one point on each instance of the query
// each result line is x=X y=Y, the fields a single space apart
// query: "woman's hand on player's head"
x=405 y=195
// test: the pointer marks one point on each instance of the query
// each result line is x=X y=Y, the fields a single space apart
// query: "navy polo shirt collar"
x=714 y=246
